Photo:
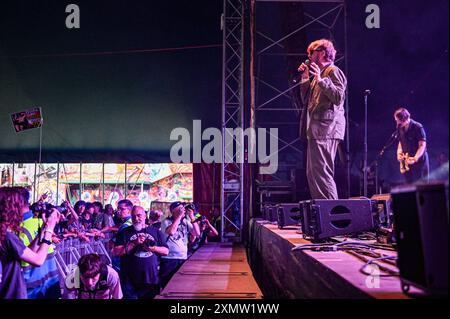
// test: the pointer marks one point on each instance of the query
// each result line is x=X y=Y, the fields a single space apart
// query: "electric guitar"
x=404 y=165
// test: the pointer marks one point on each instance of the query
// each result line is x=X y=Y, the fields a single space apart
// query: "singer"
x=412 y=147
x=322 y=120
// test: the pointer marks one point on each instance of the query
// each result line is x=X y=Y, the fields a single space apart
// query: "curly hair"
x=12 y=201
x=323 y=45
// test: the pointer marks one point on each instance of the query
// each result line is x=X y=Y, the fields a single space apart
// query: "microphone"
x=298 y=77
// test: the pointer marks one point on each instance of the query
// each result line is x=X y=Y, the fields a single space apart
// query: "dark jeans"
x=418 y=172
x=168 y=267
x=144 y=291
x=52 y=292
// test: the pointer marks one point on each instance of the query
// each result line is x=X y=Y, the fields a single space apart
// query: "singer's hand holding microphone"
x=304 y=69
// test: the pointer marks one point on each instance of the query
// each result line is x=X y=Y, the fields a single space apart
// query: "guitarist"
x=411 y=150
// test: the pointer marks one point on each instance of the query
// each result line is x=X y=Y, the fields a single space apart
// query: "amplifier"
x=288 y=214
x=324 y=218
x=421 y=227
x=383 y=203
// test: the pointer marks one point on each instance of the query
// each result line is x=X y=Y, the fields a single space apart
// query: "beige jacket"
x=325 y=100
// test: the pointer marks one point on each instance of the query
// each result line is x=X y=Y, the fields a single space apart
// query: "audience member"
x=176 y=229
x=97 y=280
x=139 y=246
x=13 y=200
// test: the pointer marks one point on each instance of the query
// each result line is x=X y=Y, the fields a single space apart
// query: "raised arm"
x=172 y=228
x=37 y=258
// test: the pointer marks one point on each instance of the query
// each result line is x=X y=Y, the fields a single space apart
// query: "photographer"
x=176 y=230
x=97 y=280
x=206 y=230
x=42 y=282
x=139 y=247
x=13 y=203
x=39 y=210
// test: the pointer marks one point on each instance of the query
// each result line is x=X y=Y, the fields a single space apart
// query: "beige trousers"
x=320 y=168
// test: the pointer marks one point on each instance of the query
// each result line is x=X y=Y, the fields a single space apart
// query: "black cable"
x=391 y=272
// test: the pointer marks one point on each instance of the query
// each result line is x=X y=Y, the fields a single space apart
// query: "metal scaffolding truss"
x=272 y=95
x=233 y=28
x=232 y=184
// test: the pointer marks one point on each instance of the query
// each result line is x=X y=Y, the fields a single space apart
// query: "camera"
x=45 y=209
x=201 y=219
x=149 y=242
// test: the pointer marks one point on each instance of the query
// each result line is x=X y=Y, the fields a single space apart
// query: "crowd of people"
x=146 y=249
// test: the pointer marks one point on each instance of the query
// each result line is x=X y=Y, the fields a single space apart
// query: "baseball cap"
x=174 y=205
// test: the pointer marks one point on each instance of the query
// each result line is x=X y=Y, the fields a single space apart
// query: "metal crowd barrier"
x=69 y=251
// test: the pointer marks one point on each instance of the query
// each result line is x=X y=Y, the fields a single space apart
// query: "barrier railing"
x=69 y=251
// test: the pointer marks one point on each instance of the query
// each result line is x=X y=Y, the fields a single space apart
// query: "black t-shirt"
x=12 y=284
x=140 y=266
x=410 y=139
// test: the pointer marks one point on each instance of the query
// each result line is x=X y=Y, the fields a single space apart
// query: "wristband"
x=45 y=241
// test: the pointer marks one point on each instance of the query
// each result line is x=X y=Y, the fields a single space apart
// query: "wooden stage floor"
x=217 y=270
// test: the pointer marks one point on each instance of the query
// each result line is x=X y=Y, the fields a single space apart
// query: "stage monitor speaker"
x=324 y=218
x=383 y=203
x=288 y=214
x=421 y=227
x=270 y=212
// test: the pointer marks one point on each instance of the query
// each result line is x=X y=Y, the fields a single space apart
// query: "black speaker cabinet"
x=324 y=218
x=383 y=204
x=288 y=214
x=270 y=212
x=421 y=226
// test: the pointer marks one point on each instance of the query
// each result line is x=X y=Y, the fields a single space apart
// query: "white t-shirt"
x=177 y=242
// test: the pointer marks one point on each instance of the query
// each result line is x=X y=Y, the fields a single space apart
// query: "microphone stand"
x=366 y=94
x=389 y=142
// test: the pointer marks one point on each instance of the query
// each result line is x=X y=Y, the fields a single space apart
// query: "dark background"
x=113 y=103
x=404 y=63
x=103 y=104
